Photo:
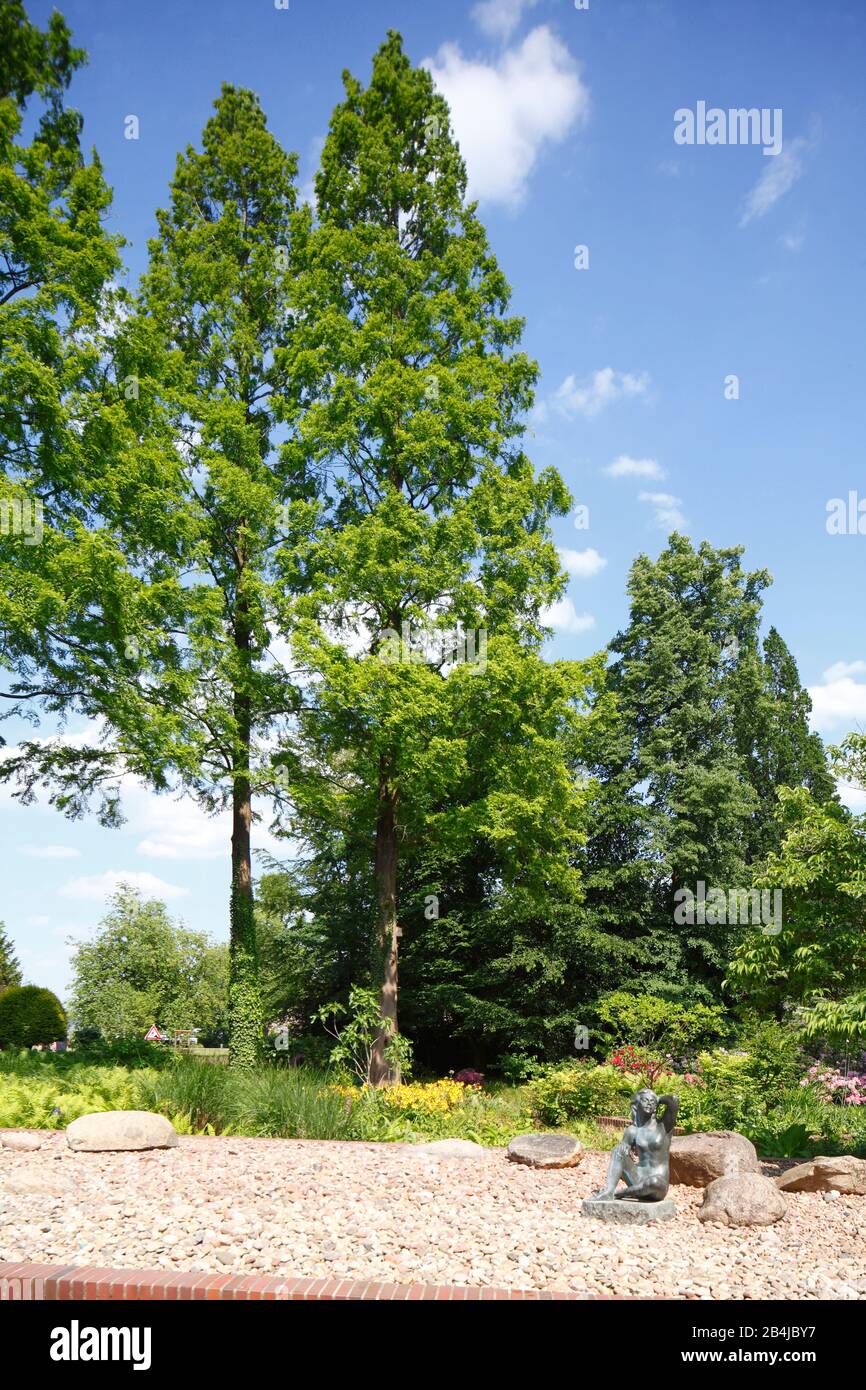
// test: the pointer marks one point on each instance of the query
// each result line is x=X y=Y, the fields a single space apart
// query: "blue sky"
x=706 y=261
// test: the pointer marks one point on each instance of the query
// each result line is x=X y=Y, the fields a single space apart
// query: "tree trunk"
x=381 y=1072
x=245 y=1010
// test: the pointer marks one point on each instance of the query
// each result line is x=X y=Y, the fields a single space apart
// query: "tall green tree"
x=411 y=394
x=10 y=970
x=713 y=723
x=142 y=968
x=56 y=266
x=174 y=582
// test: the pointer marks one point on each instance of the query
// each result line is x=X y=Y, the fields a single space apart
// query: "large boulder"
x=546 y=1150
x=822 y=1174
x=120 y=1129
x=699 y=1159
x=746 y=1199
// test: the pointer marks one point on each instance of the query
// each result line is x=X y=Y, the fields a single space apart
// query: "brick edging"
x=39 y=1282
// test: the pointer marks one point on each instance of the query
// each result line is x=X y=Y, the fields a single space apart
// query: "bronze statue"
x=642 y=1157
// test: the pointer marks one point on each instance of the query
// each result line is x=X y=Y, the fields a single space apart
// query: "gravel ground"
x=397 y=1214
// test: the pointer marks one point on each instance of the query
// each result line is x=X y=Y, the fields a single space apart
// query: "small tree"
x=10 y=970
x=143 y=968
x=31 y=1017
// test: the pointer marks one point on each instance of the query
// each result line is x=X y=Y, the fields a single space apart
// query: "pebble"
x=205 y=1207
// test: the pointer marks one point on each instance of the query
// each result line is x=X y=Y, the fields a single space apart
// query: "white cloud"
x=782 y=172
x=599 y=390
x=794 y=240
x=51 y=852
x=582 y=564
x=504 y=112
x=852 y=797
x=98 y=887
x=666 y=509
x=839 y=702
x=499 y=18
x=563 y=616
x=626 y=467
x=177 y=829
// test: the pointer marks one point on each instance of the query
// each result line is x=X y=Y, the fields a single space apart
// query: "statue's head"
x=644 y=1104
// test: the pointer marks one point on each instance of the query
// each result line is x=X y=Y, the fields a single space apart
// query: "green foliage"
x=142 y=968
x=30 y=1016
x=430 y=519
x=288 y=1104
x=581 y=1091
x=196 y=1090
x=818 y=960
x=355 y=1028
x=10 y=970
x=648 y=1021
x=133 y=1053
x=38 y=1093
x=712 y=724
x=168 y=559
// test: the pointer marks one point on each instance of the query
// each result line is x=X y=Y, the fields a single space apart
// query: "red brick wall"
x=55 y=1282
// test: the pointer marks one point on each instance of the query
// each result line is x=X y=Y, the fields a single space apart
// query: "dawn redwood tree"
x=411 y=390
x=56 y=264
x=172 y=587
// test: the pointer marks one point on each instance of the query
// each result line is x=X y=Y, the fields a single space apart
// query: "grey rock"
x=545 y=1150
x=622 y=1212
x=21 y=1141
x=696 y=1160
x=824 y=1174
x=745 y=1199
x=451 y=1148
x=110 y=1130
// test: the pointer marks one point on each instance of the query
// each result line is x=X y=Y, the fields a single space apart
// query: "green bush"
x=194 y=1090
x=30 y=1016
x=39 y=1091
x=648 y=1021
x=281 y=1103
x=581 y=1091
x=123 y=1052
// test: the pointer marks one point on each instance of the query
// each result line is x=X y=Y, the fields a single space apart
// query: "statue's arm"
x=668 y=1116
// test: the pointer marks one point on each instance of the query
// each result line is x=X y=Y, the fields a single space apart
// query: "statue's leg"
x=630 y=1170
x=647 y=1191
x=621 y=1165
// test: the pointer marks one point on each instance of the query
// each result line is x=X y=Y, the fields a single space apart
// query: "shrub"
x=516 y=1067
x=652 y=1023
x=581 y=1091
x=286 y=1103
x=196 y=1090
x=123 y=1052
x=30 y=1016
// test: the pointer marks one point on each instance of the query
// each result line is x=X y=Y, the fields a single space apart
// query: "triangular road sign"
x=152 y=1034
